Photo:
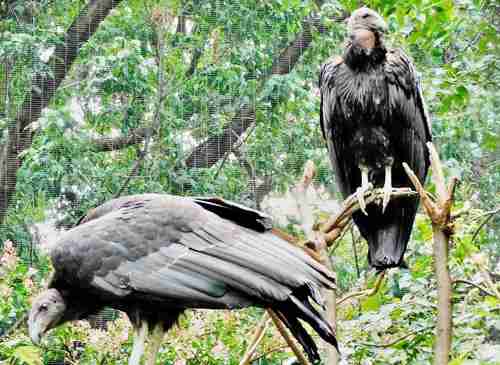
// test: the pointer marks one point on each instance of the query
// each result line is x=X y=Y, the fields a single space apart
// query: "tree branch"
x=207 y=153
x=137 y=135
x=106 y=144
x=392 y=343
x=256 y=338
x=439 y=211
x=155 y=124
x=467 y=282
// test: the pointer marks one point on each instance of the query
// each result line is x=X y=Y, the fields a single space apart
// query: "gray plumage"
x=153 y=256
x=373 y=118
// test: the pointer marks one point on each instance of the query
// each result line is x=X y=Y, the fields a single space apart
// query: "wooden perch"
x=333 y=228
x=319 y=238
x=439 y=212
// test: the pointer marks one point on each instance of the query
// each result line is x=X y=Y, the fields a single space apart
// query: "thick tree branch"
x=43 y=89
x=209 y=152
x=439 y=211
x=215 y=147
x=106 y=144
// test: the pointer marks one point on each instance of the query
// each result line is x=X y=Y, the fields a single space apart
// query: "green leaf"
x=30 y=355
x=372 y=303
x=457 y=361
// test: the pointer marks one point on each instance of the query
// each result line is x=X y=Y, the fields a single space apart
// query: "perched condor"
x=154 y=256
x=373 y=118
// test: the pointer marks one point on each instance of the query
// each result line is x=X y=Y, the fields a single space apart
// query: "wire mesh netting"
x=106 y=99
x=101 y=99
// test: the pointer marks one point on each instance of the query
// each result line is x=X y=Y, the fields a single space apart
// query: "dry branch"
x=289 y=340
x=320 y=248
x=439 y=212
x=334 y=227
x=257 y=337
x=365 y=293
x=467 y=282
x=319 y=239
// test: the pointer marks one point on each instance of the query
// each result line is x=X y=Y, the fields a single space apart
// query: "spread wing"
x=174 y=251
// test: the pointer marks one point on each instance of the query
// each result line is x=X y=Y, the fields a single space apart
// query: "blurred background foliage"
x=188 y=72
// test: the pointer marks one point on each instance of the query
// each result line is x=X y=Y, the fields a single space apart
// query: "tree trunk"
x=42 y=91
x=209 y=152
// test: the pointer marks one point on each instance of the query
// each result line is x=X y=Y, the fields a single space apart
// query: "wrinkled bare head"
x=366 y=27
x=366 y=19
x=46 y=312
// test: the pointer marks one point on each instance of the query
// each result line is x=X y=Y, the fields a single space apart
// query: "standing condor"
x=374 y=118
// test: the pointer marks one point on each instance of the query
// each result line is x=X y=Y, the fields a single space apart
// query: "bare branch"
x=467 y=282
x=397 y=340
x=289 y=340
x=335 y=226
x=256 y=339
x=440 y=214
x=489 y=216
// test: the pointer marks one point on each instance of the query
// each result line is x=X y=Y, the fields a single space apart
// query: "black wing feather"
x=172 y=252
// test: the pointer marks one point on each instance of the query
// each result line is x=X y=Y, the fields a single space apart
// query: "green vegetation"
x=158 y=79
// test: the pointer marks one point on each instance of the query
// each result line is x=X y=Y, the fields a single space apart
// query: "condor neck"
x=357 y=58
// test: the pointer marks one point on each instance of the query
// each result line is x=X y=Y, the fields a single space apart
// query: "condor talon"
x=387 y=187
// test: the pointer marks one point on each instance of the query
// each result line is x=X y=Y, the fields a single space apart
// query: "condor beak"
x=35 y=331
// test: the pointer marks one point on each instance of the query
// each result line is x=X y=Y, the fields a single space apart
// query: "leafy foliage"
x=216 y=60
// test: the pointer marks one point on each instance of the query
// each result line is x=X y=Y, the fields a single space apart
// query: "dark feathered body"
x=153 y=256
x=372 y=114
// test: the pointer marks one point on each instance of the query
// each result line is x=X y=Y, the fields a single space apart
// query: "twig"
x=264 y=354
x=392 y=343
x=482 y=263
x=489 y=216
x=231 y=150
x=355 y=251
x=257 y=337
x=289 y=340
x=365 y=293
x=461 y=281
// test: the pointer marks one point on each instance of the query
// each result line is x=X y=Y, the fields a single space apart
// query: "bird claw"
x=360 y=195
x=387 y=197
x=387 y=187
